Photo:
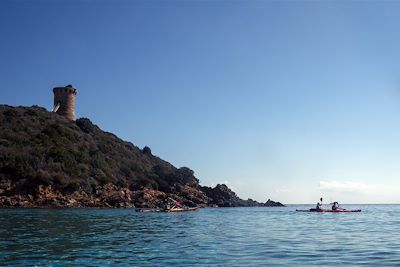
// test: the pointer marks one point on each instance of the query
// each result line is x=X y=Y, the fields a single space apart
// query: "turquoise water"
x=208 y=237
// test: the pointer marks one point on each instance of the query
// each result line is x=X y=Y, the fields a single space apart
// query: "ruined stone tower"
x=64 y=101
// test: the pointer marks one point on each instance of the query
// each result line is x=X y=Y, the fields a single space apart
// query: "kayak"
x=338 y=210
x=181 y=209
x=167 y=210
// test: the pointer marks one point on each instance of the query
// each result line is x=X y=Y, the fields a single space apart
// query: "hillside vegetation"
x=44 y=153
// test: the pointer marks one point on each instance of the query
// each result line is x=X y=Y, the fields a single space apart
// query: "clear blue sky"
x=287 y=100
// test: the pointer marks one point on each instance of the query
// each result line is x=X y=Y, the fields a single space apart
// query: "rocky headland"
x=47 y=160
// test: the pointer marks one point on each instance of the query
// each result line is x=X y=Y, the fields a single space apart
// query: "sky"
x=287 y=100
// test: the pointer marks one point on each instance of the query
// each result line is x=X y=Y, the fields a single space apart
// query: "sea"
x=256 y=236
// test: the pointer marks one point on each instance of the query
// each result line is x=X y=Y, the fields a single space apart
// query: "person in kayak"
x=319 y=206
x=335 y=205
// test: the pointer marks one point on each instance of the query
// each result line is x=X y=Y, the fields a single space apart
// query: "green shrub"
x=40 y=147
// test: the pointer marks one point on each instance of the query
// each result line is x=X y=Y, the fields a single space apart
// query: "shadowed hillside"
x=47 y=160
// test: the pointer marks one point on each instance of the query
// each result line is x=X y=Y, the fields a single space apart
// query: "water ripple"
x=209 y=237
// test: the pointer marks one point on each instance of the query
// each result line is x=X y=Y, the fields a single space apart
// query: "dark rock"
x=146 y=150
x=271 y=203
x=222 y=196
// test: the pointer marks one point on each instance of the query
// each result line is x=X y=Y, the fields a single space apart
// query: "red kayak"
x=338 y=210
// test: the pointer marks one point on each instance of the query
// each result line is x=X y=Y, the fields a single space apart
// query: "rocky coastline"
x=48 y=161
x=111 y=196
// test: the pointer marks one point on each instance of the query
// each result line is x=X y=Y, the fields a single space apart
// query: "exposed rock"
x=112 y=196
x=49 y=161
x=146 y=150
x=222 y=196
x=271 y=203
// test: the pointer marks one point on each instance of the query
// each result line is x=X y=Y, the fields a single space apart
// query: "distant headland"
x=50 y=159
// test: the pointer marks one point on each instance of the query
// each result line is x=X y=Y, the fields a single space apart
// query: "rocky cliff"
x=49 y=161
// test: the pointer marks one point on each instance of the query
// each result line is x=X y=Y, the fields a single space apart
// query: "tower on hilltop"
x=64 y=101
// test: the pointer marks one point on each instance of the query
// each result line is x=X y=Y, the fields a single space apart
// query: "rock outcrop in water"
x=271 y=203
x=47 y=160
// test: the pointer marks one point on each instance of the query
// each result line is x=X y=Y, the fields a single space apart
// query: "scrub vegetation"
x=41 y=149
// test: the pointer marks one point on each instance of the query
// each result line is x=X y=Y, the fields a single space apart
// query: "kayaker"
x=335 y=205
x=319 y=205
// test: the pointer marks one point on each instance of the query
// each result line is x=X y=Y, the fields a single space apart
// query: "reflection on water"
x=209 y=237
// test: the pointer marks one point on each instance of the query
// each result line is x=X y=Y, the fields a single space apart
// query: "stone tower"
x=64 y=101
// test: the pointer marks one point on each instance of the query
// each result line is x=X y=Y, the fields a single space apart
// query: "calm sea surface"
x=208 y=237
